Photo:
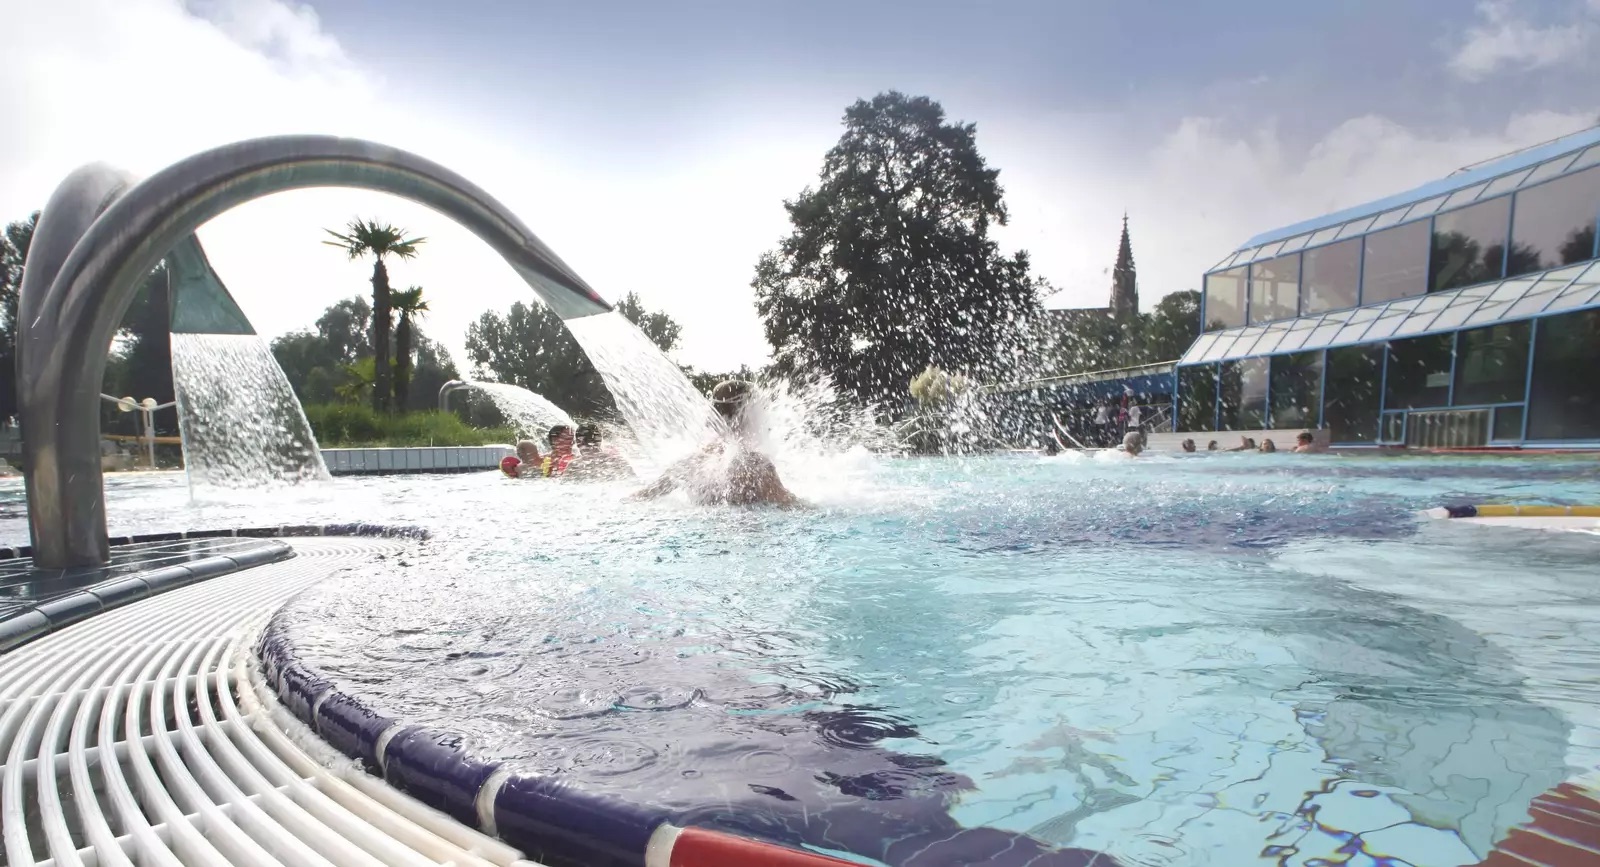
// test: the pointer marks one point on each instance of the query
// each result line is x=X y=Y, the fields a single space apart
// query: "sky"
x=652 y=145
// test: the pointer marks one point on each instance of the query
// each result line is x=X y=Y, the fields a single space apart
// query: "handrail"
x=1086 y=376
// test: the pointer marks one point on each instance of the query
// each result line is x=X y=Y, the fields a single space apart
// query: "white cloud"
x=1207 y=186
x=143 y=83
x=1504 y=39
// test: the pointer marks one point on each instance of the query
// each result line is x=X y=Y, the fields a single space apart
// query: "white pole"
x=150 y=435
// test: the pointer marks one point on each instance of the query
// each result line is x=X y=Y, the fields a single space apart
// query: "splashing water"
x=667 y=417
x=530 y=413
x=241 y=424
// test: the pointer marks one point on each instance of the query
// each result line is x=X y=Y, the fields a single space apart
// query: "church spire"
x=1124 y=277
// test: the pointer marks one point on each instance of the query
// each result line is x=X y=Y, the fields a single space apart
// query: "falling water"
x=667 y=417
x=531 y=414
x=241 y=424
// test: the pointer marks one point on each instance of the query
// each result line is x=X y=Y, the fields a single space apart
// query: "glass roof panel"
x=1199 y=347
x=1267 y=251
x=1356 y=227
x=1423 y=209
x=1506 y=183
x=1462 y=306
x=1579 y=294
x=1498 y=304
x=1463 y=197
x=1540 y=296
x=1550 y=168
x=1298 y=332
x=1389 y=218
x=1295 y=243
x=1225 y=341
x=1386 y=324
x=1245 y=345
x=1588 y=158
x=1324 y=236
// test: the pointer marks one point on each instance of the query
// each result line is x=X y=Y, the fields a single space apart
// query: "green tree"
x=140 y=364
x=1171 y=327
x=316 y=362
x=368 y=237
x=890 y=267
x=14 y=243
x=409 y=304
x=530 y=347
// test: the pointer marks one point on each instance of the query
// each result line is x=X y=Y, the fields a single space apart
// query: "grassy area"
x=346 y=425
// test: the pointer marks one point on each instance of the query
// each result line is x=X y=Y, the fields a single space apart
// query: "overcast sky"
x=651 y=144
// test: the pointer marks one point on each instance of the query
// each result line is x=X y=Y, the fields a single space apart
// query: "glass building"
x=1465 y=312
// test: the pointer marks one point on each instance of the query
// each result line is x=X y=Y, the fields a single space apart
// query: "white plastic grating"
x=144 y=735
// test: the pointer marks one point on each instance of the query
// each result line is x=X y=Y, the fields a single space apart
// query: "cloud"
x=1207 y=185
x=143 y=83
x=1504 y=39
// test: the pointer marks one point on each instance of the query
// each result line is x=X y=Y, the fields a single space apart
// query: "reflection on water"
x=1225 y=660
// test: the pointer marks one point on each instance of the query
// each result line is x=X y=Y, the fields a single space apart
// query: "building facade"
x=1464 y=313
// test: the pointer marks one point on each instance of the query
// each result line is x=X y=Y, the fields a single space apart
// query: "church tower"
x=1124 y=278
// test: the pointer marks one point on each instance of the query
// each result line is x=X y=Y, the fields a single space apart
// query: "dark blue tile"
x=299 y=690
x=435 y=769
x=23 y=627
x=351 y=727
x=557 y=824
x=167 y=577
x=65 y=609
x=121 y=590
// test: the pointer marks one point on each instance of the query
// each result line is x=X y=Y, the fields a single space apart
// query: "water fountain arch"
x=100 y=232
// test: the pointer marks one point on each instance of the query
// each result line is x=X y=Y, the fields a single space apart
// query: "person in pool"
x=728 y=470
x=596 y=460
x=561 y=455
x=1133 y=443
x=1306 y=443
x=526 y=465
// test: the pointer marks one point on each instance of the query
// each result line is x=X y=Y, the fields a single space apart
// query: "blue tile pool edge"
x=32 y=622
x=550 y=820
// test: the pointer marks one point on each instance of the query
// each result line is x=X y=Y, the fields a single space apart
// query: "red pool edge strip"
x=671 y=846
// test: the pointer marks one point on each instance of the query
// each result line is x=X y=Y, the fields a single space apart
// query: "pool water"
x=1208 y=660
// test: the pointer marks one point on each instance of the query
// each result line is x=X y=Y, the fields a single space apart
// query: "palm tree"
x=409 y=304
x=360 y=238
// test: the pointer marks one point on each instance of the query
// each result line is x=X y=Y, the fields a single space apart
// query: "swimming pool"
x=1214 y=659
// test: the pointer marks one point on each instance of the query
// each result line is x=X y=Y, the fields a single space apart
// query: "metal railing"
x=1081 y=378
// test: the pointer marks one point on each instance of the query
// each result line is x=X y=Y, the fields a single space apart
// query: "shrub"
x=340 y=425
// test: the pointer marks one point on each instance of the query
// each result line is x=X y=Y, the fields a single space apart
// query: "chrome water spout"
x=100 y=234
x=446 y=390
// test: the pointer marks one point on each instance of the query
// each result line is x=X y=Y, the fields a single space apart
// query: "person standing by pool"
x=728 y=470
x=1102 y=421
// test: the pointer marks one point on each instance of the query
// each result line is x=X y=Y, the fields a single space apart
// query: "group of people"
x=728 y=469
x=1134 y=442
x=571 y=453
x=1113 y=421
x=1305 y=442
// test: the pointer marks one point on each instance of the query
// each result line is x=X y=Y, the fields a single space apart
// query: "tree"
x=890 y=267
x=409 y=304
x=1170 y=329
x=362 y=238
x=14 y=244
x=317 y=362
x=530 y=347
x=140 y=364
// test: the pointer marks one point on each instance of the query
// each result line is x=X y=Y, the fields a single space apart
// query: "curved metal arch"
x=66 y=339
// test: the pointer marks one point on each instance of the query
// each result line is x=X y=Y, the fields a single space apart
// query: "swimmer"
x=1211 y=446
x=1188 y=445
x=728 y=470
x=1133 y=443
x=1267 y=447
x=596 y=460
x=529 y=461
x=1306 y=443
x=1246 y=444
x=561 y=454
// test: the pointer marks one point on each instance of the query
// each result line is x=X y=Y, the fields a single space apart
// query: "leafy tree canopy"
x=890 y=267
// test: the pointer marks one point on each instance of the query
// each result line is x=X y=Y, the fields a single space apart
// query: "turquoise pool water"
x=1217 y=659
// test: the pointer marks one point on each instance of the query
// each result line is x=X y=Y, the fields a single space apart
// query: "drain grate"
x=144 y=735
